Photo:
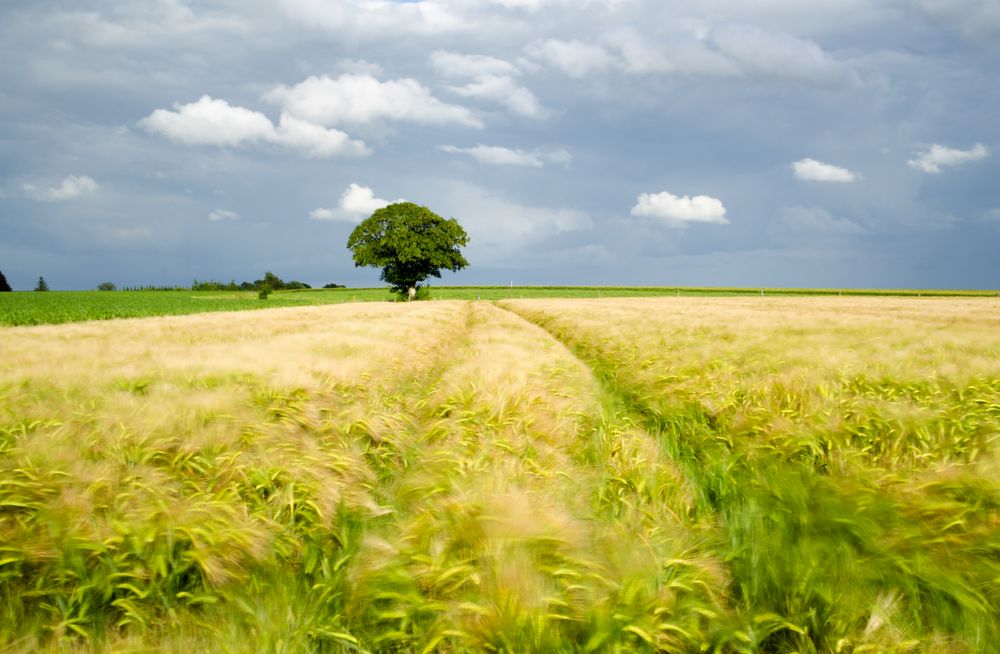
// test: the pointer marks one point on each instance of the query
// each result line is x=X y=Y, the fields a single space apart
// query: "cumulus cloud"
x=375 y=17
x=504 y=91
x=453 y=64
x=316 y=141
x=209 y=122
x=356 y=203
x=147 y=24
x=501 y=229
x=219 y=215
x=215 y=122
x=575 y=58
x=360 y=66
x=696 y=48
x=71 y=187
x=537 y=5
x=638 y=55
x=500 y=156
x=680 y=209
x=817 y=171
x=360 y=99
x=490 y=79
x=779 y=55
x=938 y=156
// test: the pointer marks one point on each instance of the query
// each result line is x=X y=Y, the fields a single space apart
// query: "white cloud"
x=71 y=187
x=359 y=99
x=500 y=156
x=817 y=171
x=500 y=229
x=528 y=5
x=537 y=5
x=680 y=209
x=148 y=24
x=815 y=220
x=453 y=64
x=638 y=55
x=694 y=47
x=360 y=66
x=216 y=122
x=974 y=18
x=356 y=203
x=322 y=213
x=779 y=55
x=375 y=17
x=504 y=91
x=938 y=156
x=575 y=58
x=316 y=141
x=218 y=215
x=209 y=122
x=491 y=79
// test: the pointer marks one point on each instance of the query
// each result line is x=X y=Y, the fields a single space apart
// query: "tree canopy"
x=4 y=286
x=410 y=243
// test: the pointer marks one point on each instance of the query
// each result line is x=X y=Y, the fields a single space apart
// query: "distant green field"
x=31 y=308
x=54 y=307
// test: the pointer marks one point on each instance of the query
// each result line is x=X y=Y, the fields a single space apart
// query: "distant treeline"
x=270 y=282
x=142 y=288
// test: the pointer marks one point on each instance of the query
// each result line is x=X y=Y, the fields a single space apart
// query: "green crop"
x=674 y=474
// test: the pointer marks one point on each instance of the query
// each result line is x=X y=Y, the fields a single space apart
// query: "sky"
x=782 y=143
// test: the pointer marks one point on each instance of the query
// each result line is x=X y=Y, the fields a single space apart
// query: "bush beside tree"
x=270 y=281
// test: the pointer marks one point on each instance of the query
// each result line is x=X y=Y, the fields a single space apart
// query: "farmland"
x=607 y=474
x=72 y=306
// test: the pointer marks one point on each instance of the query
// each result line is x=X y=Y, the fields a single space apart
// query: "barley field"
x=672 y=474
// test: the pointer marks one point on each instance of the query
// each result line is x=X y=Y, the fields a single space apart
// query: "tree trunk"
x=411 y=293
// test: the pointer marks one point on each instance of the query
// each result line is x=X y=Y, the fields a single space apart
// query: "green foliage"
x=4 y=285
x=106 y=286
x=270 y=281
x=409 y=243
x=41 y=285
x=213 y=285
x=263 y=293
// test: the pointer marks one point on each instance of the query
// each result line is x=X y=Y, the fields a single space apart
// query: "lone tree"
x=410 y=243
x=41 y=286
x=4 y=286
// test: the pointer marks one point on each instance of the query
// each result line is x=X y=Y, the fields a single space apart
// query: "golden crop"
x=669 y=474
